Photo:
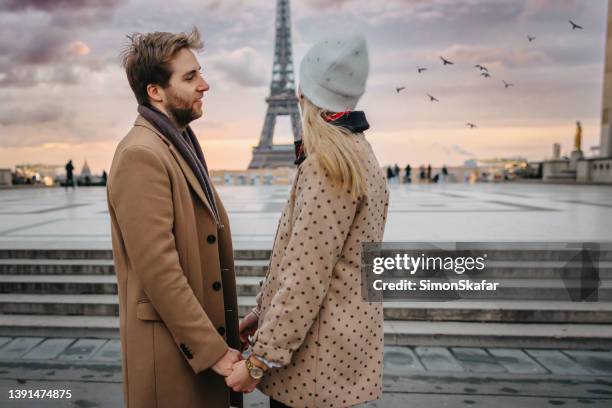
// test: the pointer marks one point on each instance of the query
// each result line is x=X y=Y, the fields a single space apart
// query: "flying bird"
x=530 y=38
x=486 y=75
x=400 y=89
x=507 y=85
x=575 y=26
x=421 y=69
x=471 y=125
x=432 y=99
x=481 y=67
x=446 y=62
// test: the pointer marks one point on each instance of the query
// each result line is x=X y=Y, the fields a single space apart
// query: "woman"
x=318 y=343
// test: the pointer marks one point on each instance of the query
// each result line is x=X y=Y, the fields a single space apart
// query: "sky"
x=65 y=96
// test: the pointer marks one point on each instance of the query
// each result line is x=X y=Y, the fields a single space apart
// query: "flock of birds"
x=484 y=71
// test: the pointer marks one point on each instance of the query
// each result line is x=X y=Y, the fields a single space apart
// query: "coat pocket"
x=146 y=311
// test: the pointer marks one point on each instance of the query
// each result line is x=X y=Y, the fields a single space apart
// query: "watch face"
x=256 y=372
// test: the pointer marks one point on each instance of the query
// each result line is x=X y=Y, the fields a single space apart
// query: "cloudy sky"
x=64 y=94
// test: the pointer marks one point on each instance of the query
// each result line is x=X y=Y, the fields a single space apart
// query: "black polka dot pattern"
x=313 y=320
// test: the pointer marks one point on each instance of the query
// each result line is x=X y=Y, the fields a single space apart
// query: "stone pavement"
x=413 y=376
x=52 y=218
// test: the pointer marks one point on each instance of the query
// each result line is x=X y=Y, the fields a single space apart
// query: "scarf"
x=188 y=146
x=354 y=122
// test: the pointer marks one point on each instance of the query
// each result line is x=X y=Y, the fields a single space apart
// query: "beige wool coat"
x=175 y=274
x=313 y=320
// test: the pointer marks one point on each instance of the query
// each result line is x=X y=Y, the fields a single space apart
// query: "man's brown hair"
x=146 y=58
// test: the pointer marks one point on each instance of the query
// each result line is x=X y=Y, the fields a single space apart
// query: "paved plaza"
x=422 y=376
x=413 y=376
x=55 y=218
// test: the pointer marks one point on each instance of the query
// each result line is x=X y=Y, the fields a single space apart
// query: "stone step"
x=58 y=284
x=246 y=253
x=522 y=252
x=258 y=267
x=507 y=311
x=397 y=333
x=248 y=267
x=527 y=270
x=493 y=254
x=249 y=286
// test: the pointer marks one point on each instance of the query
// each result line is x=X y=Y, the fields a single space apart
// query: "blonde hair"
x=335 y=148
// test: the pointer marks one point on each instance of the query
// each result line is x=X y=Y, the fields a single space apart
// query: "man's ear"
x=155 y=92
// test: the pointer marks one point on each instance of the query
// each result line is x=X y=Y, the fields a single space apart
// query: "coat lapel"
x=189 y=175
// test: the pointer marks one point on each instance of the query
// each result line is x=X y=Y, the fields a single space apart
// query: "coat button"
x=221 y=330
x=186 y=351
x=211 y=239
x=216 y=285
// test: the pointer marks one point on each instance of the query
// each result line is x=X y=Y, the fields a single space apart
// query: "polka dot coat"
x=313 y=321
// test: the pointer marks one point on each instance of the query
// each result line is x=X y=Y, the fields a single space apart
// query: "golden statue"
x=578 y=137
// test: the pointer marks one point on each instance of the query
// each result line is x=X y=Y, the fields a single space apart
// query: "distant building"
x=44 y=174
x=253 y=177
x=6 y=178
x=85 y=171
x=86 y=178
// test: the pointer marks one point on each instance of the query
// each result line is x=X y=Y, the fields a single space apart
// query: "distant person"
x=407 y=173
x=429 y=172
x=69 y=175
x=171 y=238
x=421 y=173
x=390 y=174
x=104 y=177
x=444 y=174
x=396 y=171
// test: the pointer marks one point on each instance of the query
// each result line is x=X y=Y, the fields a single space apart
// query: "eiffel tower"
x=282 y=99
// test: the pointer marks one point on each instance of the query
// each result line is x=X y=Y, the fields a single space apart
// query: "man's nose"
x=203 y=86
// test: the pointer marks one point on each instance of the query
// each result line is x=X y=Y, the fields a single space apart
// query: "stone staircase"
x=73 y=293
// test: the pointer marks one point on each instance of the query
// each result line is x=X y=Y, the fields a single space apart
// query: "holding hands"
x=241 y=375
x=224 y=365
x=242 y=378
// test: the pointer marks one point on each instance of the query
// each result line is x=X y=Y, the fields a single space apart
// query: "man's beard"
x=180 y=110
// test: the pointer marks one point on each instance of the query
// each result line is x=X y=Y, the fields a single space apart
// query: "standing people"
x=428 y=173
x=408 y=173
x=444 y=173
x=318 y=342
x=390 y=174
x=171 y=238
x=69 y=175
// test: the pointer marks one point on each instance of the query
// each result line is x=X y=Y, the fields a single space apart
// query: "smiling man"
x=171 y=238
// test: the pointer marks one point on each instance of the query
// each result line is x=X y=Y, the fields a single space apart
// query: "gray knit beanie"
x=333 y=73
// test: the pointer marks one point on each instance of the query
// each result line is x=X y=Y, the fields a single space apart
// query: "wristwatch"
x=255 y=372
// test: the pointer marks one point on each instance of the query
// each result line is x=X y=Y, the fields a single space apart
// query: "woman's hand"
x=248 y=327
x=240 y=380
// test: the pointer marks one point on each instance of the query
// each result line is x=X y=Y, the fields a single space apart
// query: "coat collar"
x=189 y=175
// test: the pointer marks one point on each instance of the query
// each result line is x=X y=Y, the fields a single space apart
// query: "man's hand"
x=240 y=380
x=224 y=365
x=248 y=327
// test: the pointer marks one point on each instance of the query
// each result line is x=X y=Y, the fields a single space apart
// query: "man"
x=69 y=175
x=171 y=238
